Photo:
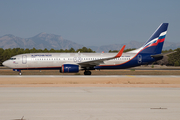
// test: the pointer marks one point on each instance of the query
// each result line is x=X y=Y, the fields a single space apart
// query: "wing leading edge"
x=100 y=61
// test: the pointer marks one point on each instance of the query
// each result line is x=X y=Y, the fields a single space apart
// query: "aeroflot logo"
x=40 y=55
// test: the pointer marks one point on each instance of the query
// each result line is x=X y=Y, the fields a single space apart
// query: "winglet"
x=120 y=52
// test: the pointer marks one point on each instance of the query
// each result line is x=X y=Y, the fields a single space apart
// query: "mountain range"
x=44 y=40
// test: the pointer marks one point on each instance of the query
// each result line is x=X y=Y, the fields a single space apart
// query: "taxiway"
x=92 y=103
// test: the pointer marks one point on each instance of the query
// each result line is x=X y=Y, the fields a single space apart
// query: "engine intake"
x=69 y=68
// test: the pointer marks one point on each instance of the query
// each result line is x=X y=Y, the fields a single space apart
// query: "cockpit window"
x=12 y=58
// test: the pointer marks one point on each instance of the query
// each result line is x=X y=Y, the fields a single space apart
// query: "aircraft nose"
x=4 y=63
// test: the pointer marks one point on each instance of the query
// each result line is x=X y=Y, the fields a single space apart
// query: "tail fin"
x=155 y=43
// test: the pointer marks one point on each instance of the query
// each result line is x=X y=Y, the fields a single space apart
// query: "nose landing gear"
x=20 y=73
x=18 y=70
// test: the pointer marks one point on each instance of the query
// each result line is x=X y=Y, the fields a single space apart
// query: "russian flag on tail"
x=155 y=43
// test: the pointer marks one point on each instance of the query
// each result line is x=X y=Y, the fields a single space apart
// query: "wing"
x=100 y=61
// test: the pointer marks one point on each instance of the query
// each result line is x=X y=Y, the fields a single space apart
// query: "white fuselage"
x=56 y=60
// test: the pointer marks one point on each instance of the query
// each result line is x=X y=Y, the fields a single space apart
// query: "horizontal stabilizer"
x=162 y=54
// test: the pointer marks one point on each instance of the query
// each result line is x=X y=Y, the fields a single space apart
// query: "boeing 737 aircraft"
x=74 y=62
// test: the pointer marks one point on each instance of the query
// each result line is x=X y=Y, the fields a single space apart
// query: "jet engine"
x=69 y=68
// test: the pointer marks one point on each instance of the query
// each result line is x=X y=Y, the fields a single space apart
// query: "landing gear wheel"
x=87 y=72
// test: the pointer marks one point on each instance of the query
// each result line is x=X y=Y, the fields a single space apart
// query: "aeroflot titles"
x=40 y=55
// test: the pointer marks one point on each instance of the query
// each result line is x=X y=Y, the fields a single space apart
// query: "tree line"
x=5 y=54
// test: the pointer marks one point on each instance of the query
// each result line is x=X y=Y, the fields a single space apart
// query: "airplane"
x=74 y=62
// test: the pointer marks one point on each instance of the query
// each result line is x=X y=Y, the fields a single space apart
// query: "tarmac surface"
x=89 y=103
x=87 y=76
x=90 y=81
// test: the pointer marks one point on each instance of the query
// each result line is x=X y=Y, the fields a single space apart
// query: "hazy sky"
x=90 y=22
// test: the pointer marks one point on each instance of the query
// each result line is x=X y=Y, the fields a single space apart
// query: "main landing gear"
x=20 y=73
x=87 y=72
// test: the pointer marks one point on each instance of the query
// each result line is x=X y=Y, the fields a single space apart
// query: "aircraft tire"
x=87 y=72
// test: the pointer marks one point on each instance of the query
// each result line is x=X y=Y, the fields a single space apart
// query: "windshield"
x=12 y=59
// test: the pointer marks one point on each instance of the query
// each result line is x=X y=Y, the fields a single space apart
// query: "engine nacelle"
x=69 y=68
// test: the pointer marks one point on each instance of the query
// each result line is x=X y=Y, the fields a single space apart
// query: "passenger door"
x=24 y=59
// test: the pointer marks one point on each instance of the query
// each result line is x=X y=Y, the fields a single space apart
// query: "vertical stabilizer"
x=155 y=43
